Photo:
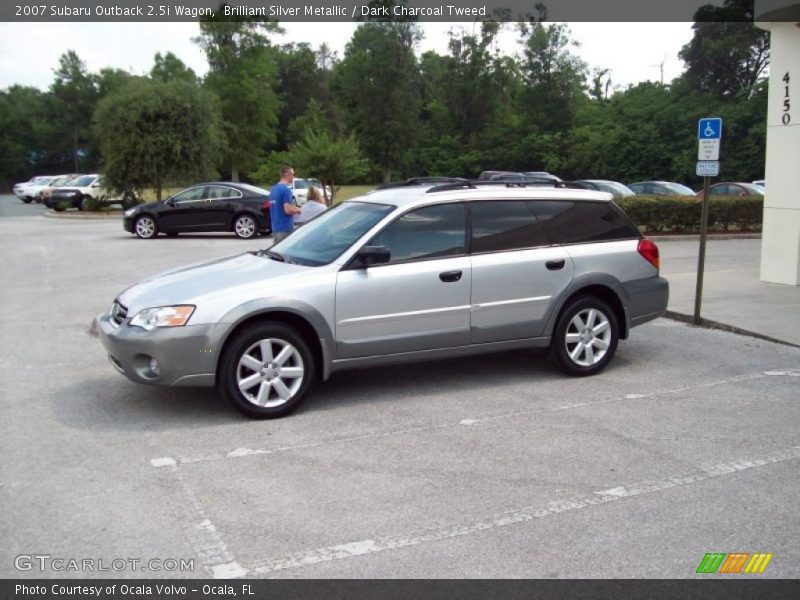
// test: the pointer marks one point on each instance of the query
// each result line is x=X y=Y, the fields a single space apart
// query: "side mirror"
x=169 y=202
x=373 y=255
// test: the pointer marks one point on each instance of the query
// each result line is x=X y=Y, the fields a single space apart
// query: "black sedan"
x=220 y=206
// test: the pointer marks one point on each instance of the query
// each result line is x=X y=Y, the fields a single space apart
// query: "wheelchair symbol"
x=709 y=130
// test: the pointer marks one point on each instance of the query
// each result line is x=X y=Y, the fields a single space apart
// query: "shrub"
x=681 y=214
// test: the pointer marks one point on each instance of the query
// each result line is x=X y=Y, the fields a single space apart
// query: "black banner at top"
x=381 y=10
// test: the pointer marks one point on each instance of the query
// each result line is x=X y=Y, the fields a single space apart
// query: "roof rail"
x=421 y=181
x=475 y=183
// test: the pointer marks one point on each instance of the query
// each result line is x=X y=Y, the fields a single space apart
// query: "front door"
x=420 y=300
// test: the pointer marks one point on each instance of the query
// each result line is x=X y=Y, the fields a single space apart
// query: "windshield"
x=323 y=239
x=253 y=189
x=300 y=184
x=677 y=188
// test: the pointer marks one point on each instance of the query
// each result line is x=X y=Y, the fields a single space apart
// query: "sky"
x=29 y=52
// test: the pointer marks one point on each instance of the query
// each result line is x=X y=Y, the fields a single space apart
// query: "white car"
x=760 y=182
x=300 y=189
x=78 y=192
x=27 y=191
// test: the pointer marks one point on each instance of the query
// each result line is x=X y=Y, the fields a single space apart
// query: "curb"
x=709 y=324
x=82 y=215
x=710 y=237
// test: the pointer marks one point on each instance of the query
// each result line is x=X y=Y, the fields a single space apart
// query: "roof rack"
x=475 y=183
x=422 y=181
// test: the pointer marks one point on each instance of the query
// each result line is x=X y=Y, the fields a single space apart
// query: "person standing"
x=281 y=208
x=313 y=206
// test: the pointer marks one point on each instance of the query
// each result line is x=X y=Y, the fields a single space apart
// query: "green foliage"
x=377 y=86
x=681 y=214
x=332 y=160
x=94 y=205
x=244 y=78
x=152 y=132
x=168 y=67
x=727 y=53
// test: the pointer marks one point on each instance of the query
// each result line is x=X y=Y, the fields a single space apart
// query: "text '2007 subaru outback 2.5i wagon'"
x=405 y=273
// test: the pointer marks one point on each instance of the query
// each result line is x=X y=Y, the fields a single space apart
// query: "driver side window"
x=431 y=232
x=190 y=195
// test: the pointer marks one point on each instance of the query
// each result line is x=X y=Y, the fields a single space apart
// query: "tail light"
x=266 y=205
x=649 y=252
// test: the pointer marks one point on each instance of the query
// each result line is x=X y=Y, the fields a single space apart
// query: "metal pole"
x=701 y=258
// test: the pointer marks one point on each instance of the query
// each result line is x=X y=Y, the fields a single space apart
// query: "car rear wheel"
x=245 y=227
x=145 y=227
x=586 y=336
x=27 y=200
x=266 y=371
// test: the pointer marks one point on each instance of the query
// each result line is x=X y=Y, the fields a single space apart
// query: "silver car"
x=401 y=274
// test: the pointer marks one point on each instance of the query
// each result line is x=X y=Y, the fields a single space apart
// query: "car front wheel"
x=245 y=227
x=145 y=227
x=266 y=371
x=586 y=336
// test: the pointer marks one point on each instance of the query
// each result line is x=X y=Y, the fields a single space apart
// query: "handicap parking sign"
x=709 y=135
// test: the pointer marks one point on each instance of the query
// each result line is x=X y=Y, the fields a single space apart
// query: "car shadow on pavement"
x=115 y=404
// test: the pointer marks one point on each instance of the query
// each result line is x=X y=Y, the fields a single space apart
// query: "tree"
x=244 y=77
x=378 y=89
x=329 y=159
x=168 y=67
x=553 y=77
x=151 y=132
x=73 y=97
x=727 y=53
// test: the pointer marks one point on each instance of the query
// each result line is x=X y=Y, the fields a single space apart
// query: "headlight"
x=163 y=316
x=129 y=212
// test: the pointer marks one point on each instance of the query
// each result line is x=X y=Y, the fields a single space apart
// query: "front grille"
x=118 y=313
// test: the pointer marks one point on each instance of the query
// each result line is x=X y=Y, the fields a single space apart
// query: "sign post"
x=709 y=136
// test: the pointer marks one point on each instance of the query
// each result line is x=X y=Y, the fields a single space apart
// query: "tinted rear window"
x=572 y=222
x=505 y=225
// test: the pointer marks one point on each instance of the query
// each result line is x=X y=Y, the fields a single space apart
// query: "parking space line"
x=516 y=516
x=249 y=452
x=218 y=561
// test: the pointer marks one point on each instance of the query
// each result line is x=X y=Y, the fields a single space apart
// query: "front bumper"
x=127 y=224
x=186 y=355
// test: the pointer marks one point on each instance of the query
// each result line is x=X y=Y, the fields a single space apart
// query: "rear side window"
x=505 y=225
x=571 y=222
x=431 y=232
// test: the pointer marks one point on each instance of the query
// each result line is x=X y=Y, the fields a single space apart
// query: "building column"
x=780 y=244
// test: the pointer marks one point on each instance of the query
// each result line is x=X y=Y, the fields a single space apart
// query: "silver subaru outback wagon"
x=401 y=274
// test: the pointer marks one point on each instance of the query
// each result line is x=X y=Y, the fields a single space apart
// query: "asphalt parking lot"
x=494 y=466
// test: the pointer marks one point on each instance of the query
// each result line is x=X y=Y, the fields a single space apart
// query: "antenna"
x=661 y=68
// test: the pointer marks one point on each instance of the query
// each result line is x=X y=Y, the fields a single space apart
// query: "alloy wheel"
x=588 y=337
x=270 y=372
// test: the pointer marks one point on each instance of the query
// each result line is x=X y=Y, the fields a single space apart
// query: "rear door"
x=517 y=274
x=420 y=299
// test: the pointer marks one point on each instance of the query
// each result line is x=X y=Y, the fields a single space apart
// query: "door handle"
x=555 y=265
x=450 y=276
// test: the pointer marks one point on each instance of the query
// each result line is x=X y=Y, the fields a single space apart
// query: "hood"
x=150 y=205
x=193 y=284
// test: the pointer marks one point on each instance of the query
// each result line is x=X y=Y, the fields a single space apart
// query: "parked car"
x=617 y=189
x=660 y=188
x=28 y=190
x=60 y=181
x=300 y=189
x=217 y=206
x=78 y=192
x=413 y=273
x=518 y=176
x=760 y=182
x=727 y=188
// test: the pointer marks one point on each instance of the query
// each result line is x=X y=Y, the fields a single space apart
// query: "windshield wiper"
x=275 y=256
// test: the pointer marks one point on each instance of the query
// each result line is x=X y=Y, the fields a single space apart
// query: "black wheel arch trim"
x=584 y=283
x=261 y=309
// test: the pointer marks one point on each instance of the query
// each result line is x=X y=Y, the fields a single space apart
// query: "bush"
x=94 y=205
x=61 y=206
x=681 y=214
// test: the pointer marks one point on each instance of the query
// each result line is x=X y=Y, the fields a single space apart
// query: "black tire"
x=27 y=200
x=245 y=227
x=145 y=227
x=58 y=207
x=249 y=342
x=578 y=354
x=84 y=203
